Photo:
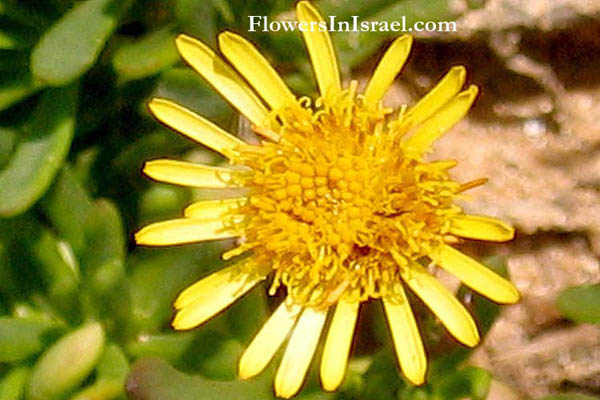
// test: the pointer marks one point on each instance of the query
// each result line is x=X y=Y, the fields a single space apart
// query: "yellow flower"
x=338 y=206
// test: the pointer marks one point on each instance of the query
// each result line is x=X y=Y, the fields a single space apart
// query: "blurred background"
x=84 y=313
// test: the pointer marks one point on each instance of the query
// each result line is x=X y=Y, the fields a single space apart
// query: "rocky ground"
x=535 y=133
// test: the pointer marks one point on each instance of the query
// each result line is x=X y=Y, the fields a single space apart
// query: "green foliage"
x=66 y=364
x=447 y=379
x=581 y=304
x=153 y=379
x=147 y=56
x=20 y=338
x=12 y=384
x=72 y=45
x=39 y=155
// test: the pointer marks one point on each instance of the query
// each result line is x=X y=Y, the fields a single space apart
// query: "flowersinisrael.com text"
x=262 y=23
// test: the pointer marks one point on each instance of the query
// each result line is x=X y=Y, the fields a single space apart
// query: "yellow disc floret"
x=337 y=196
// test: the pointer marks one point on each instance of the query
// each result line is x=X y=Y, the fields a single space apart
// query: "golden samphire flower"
x=339 y=206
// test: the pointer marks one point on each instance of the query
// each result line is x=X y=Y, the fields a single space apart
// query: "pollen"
x=334 y=199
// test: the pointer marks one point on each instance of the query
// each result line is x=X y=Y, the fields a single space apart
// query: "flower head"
x=339 y=206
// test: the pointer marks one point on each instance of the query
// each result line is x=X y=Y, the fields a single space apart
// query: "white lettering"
x=275 y=26
x=289 y=26
x=253 y=22
x=355 y=23
x=352 y=24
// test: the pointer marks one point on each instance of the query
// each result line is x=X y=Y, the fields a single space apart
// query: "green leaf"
x=581 y=304
x=198 y=19
x=12 y=385
x=72 y=45
x=185 y=87
x=168 y=346
x=59 y=267
x=148 y=56
x=153 y=379
x=103 y=261
x=382 y=380
x=469 y=382
x=14 y=36
x=208 y=351
x=106 y=389
x=8 y=41
x=221 y=361
x=449 y=361
x=67 y=206
x=113 y=363
x=8 y=141
x=39 y=155
x=315 y=395
x=300 y=83
x=157 y=144
x=16 y=86
x=14 y=61
x=213 y=353
x=161 y=201
x=247 y=315
x=21 y=274
x=24 y=13
x=84 y=163
x=158 y=277
x=75 y=355
x=111 y=373
x=21 y=338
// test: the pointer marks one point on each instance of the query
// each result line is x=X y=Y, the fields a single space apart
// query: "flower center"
x=336 y=196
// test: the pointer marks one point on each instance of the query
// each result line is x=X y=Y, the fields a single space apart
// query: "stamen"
x=336 y=209
x=472 y=184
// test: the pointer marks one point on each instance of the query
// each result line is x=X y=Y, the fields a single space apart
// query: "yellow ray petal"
x=299 y=352
x=476 y=276
x=406 y=337
x=320 y=49
x=212 y=209
x=337 y=345
x=482 y=228
x=442 y=121
x=225 y=80
x=442 y=93
x=185 y=230
x=195 y=127
x=207 y=297
x=236 y=273
x=390 y=65
x=257 y=71
x=188 y=174
x=442 y=303
x=270 y=337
